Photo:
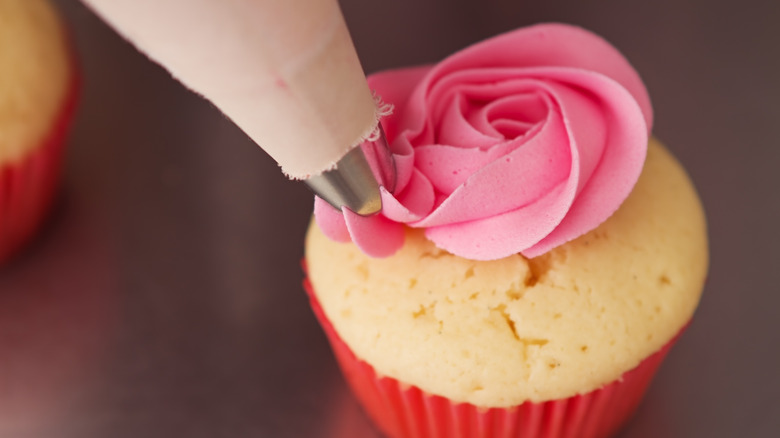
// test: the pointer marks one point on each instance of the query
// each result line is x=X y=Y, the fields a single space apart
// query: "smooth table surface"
x=164 y=299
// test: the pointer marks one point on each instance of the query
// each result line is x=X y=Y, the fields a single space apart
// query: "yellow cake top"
x=35 y=74
x=498 y=333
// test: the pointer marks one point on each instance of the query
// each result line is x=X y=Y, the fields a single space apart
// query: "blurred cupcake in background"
x=38 y=91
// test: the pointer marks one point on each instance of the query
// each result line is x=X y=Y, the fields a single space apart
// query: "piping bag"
x=285 y=71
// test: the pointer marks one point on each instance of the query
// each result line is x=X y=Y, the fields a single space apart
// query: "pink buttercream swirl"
x=517 y=144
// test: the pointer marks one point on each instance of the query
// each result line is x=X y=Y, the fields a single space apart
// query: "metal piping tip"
x=350 y=184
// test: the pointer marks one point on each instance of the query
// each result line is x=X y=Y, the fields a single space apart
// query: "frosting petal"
x=375 y=235
x=514 y=145
x=331 y=221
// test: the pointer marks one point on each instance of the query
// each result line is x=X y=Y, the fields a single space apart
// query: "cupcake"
x=38 y=87
x=538 y=257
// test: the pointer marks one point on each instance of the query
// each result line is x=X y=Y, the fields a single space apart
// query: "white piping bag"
x=285 y=71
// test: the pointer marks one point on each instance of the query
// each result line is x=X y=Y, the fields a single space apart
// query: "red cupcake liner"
x=405 y=411
x=28 y=186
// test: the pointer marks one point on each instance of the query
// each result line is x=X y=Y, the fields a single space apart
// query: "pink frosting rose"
x=516 y=144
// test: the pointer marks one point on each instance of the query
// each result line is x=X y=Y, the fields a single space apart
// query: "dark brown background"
x=163 y=298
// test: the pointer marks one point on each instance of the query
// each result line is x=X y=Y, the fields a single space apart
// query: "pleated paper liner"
x=404 y=411
x=28 y=186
